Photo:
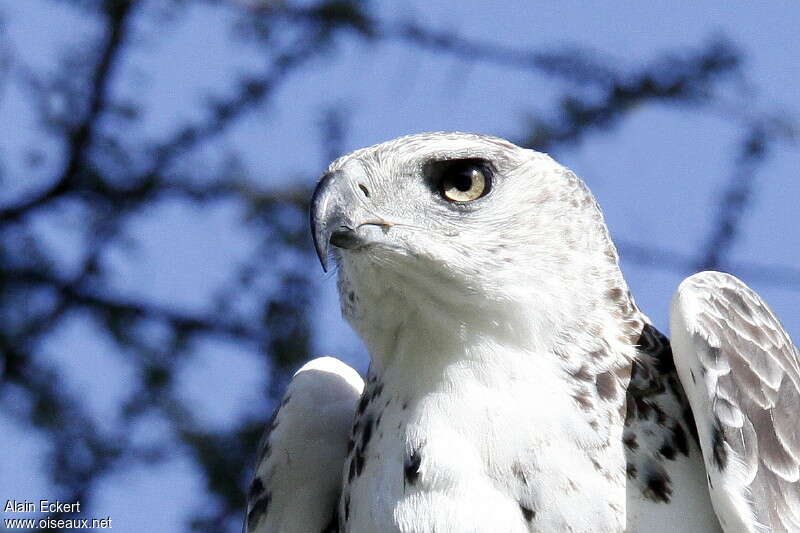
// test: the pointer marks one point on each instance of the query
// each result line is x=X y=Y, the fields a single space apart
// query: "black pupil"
x=463 y=179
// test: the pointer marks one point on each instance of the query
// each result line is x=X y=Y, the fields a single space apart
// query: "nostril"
x=346 y=238
x=364 y=189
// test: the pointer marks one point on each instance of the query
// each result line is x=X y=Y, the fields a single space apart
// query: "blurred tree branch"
x=116 y=14
x=737 y=198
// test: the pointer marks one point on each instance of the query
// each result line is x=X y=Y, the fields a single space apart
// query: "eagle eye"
x=464 y=180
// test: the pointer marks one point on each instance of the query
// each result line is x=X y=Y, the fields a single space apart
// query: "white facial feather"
x=538 y=240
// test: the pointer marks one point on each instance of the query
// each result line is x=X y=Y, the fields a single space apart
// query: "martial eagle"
x=514 y=384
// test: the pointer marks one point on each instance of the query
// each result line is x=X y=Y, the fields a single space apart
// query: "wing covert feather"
x=299 y=472
x=742 y=376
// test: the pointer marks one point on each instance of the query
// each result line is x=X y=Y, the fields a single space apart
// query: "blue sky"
x=658 y=176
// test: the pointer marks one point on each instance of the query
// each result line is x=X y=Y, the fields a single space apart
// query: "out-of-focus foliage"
x=106 y=179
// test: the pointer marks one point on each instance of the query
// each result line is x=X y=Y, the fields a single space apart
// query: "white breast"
x=481 y=451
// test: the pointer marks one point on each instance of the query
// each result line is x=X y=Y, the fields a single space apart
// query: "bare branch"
x=660 y=259
x=735 y=201
x=117 y=14
x=106 y=303
x=572 y=63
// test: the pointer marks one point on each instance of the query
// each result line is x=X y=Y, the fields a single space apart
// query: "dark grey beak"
x=331 y=223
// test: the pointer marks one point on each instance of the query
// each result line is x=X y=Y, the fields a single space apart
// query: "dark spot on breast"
x=658 y=487
x=583 y=398
x=257 y=511
x=630 y=441
x=631 y=471
x=405 y=405
x=362 y=404
x=607 y=386
x=582 y=373
x=347 y=507
x=360 y=461
x=720 y=455
x=667 y=451
x=351 y=296
x=411 y=467
x=528 y=514
x=639 y=408
x=680 y=440
x=519 y=473
x=363 y=435
x=256 y=488
x=694 y=379
x=615 y=294
x=376 y=391
x=366 y=434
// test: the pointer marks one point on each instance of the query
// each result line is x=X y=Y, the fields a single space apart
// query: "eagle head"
x=462 y=226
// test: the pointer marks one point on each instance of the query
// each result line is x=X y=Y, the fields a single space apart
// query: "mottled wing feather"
x=742 y=376
x=299 y=473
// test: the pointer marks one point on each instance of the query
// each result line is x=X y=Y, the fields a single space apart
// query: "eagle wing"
x=299 y=472
x=741 y=373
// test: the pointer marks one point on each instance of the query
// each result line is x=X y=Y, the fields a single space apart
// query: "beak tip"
x=321 y=247
x=325 y=214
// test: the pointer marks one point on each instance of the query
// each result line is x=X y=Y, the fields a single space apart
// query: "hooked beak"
x=338 y=216
x=327 y=215
x=332 y=205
